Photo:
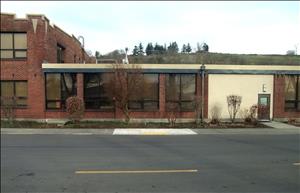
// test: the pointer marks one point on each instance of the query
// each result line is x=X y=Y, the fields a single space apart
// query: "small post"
x=202 y=69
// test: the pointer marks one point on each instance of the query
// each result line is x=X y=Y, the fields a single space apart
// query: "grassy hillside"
x=217 y=58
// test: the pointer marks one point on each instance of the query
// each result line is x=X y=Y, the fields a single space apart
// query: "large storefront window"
x=13 y=45
x=180 y=92
x=58 y=88
x=14 y=93
x=292 y=92
x=146 y=97
x=96 y=95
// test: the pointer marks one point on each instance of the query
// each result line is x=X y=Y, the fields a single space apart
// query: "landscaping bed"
x=118 y=124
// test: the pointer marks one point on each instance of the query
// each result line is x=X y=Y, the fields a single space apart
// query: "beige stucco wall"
x=247 y=86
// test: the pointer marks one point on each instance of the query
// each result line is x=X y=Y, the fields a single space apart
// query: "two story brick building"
x=42 y=66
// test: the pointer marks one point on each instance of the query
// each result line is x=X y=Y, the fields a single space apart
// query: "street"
x=107 y=163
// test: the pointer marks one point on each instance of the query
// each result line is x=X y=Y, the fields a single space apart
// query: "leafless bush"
x=8 y=106
x=234 y=103
x=215 y=114
x=127 y=81
x=172 y=114
x=249 y=115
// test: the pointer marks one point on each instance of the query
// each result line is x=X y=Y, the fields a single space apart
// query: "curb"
x=147 y=131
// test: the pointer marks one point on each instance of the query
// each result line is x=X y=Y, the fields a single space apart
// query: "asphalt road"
x=198 y=163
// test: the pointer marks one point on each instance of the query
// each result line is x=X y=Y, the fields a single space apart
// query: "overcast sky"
x=271 y=27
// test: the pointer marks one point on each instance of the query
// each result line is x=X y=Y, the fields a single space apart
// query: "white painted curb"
x=154 y=132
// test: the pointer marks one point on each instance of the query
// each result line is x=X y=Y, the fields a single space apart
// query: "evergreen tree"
x=141 y=49
x=149 y=49
x=205 y=47
x=188 y=48
x=173 y=48
x=159 y=49
x=135 y=51
x=97 y=54
x=183 y=50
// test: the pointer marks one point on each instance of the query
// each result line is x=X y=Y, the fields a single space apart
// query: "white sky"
x=228 y=27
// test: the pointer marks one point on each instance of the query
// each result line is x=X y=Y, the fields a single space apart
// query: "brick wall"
x=279 y=100
x=41 y=47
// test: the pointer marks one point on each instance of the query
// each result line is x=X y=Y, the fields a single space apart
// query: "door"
x=263 y=112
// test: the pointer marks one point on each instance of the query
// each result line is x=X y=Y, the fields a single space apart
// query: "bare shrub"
x=234 y=103
x=172 y=114
x=249 y=115
x=8 y=106
x=215 y=114
x=75 y=108
x=126 y=84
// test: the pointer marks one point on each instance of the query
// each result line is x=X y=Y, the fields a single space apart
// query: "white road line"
x=133 y=171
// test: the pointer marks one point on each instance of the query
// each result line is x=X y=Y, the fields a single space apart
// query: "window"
x=146 y=98
x=60 y=54
x=58 y=88
x=180 y=92
x=291 y=91
x=13 y=45
x=14 y=92
x=96 y=93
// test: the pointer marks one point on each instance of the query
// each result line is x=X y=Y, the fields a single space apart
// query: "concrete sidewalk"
x=148 y=131
x=279 y=125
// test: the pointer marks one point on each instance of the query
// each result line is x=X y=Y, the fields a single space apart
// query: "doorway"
x=263 y=112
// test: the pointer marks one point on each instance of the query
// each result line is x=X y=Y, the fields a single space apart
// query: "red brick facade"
x=41 y=47
x=279 y=101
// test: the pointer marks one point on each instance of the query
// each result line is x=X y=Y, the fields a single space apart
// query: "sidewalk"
x=279 y=125
x=148 y=131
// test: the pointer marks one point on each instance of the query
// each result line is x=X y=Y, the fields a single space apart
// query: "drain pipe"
x=83 y=55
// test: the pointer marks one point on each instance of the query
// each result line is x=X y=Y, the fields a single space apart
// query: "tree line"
x=155 y=49
x=173 y=48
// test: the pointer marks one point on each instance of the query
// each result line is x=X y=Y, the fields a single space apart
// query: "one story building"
x=41 y=66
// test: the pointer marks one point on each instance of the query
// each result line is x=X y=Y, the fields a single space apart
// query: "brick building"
x=41 y=66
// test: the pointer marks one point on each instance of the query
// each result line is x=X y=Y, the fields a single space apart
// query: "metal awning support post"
x=202 y=69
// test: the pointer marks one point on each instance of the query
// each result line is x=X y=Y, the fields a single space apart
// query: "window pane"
x=20 y=41
x=6 y=41
x=7 y=89
x=20 y=54
x=21 y=89
x=290 y=105
x=187 y=106
x=69 y=86
x=6 y=54
x=172 y=106
x=290 y=87
x=135 y=86
x=106 y=81
x=187 y=87
x=21 y=102
x=60 y=54
x=53 y=86
x=97 y=89
x=53 y=105
x=135 y=105
x=172 y=87
x=150 y=105
x=151 y=86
